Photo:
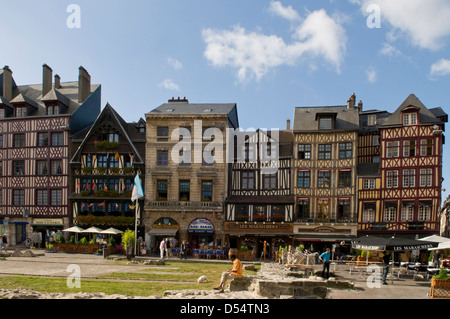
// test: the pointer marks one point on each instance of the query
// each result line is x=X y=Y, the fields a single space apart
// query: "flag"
x=94 y=186
x=78 y=187
x=106 y=188
x=138 y=192
x=116 y=156
x=102 y=204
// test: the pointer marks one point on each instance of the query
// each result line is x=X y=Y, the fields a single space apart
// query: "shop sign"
x=201 y=225
x=269 y=227
x=48 y=221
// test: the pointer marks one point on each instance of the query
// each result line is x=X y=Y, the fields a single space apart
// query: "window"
x=372 y=119
x=21 y=111
x=426 y=177
x=185 y=158
x=2 y=113
x=369 y=212
x=324 y=151
x=324 y=179
x=248 y=180
x=207 y=191
x=343 y=209
x=19 y=140
x=426 y=147
x=392 y=179
x=409 y=177
x=345 y=179
x=304 y=151
x=163 y=158
x=18 y=168
x=410 y=119
x=19 y=197
x=57 y=139
x=41 y=167
x=407 y=211
x=390 y=211
x=102 y=161
x=42 y=139
x=249 y=152
x=86 y=184
x=303 y=179
x=42 y=197
x=162 y=131
x=260 y=210
x=161 y=190
x=424 y=211
x=1 y=171
x=208 y=157
x=303 y=207
x=269 y=181
x=409 y=148
x=375 y=140
x=1 y=141
x=113 y=137
x=56 y=199
x=241 y=212
x=102 y=184
x=53 y=110
x=325 y=123
x=113 y=184
x=323 y=209
x=392 y=149
x=185 y=190
x=345 y=150
x=278 y=210
x=368 y=184
x=56 y=167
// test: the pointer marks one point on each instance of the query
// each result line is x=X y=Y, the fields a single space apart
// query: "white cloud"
x=390 y=50
x=440 y=68
x=169 y=84
x=424 y=23
x=174 y=63
x=253 y=54
x=371 y=74
x=285 y=12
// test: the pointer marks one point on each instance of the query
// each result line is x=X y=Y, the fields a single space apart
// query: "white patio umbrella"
x=93 y=229
x=74 y=229
x=441 y=246
x=112 y=231
x=436 y=239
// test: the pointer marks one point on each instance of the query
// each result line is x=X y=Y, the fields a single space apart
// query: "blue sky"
x=266 y=56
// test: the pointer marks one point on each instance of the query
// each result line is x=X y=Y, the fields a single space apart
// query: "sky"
x=266 y=56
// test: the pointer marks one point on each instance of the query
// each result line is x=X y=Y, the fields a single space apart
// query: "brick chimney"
x=57 y=81
x=351 y=102
x=47 y=75
x=7 y=83
x=360 y=106
x=84 y=84
x=288 y=124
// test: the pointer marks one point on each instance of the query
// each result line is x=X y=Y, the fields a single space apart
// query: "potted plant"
x=244 y=253
x=277 y=218
x=440 y=285
x=259 y=218
x=241 y=218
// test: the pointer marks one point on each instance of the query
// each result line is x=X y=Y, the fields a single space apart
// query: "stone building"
x=36 y=125
x=186 y=180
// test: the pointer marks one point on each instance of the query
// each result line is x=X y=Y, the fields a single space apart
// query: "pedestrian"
x=436 y=257
x=325 y=258
x=386 y=261
x=5 y=242
x=236 y=271
x=162 y=246
x=183 y=250
x=1 y=243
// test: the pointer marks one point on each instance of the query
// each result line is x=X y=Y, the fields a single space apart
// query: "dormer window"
x=371 y=120
x=326 y=120
x=53 y=110
x=409 y=118
x=21 y=111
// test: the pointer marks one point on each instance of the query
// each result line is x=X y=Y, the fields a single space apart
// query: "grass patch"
x=175 y=280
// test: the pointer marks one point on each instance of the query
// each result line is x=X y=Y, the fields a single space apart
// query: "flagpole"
x=135 y=225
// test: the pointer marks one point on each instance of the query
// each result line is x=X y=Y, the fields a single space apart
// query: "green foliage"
x=442 y=274
x=243 y=248
x=83 y=241
x=112 y=241
x=72 y=240
x=126 y=236
x=60 y=239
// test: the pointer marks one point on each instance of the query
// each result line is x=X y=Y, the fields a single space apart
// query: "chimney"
x=47 y=74
x=288 y=124
x=351 y=102
x=57 y=81
x=7 y=83
x=360 y=105
x=84 y=84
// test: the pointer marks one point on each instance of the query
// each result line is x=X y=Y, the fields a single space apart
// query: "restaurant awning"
x=163 y=231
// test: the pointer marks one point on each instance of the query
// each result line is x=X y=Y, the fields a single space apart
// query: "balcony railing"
x=102 y=171
x=183 y=204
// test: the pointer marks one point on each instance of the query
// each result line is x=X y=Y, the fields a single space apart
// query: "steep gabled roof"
x=108 y=114
x=306 y=118
x=411 y=102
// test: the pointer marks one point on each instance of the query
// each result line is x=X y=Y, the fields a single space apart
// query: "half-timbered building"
x=325 y=162
x=408 y=184
x=186 y=178
x=260 y=202
x=108 y=156
x=36 y=125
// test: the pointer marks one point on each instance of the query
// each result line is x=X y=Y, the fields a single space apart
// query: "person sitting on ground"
x=236 y=271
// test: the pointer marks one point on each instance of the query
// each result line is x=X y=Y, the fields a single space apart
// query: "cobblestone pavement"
x=55 y=265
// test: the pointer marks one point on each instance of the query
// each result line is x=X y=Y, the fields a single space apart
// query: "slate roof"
x=306 y=118
x=426 y=116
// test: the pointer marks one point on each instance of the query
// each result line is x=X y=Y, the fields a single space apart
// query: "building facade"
x=36 y=125
x=325 y=162
x=260 y=202
x=186 y=180
x=405 y=196
x=107 y=157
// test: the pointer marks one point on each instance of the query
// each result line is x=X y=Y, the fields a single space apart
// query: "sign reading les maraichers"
x=277 y=227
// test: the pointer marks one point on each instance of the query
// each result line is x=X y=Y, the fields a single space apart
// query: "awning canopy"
x=74 y=229
x=391 y=244
x=163 y=231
